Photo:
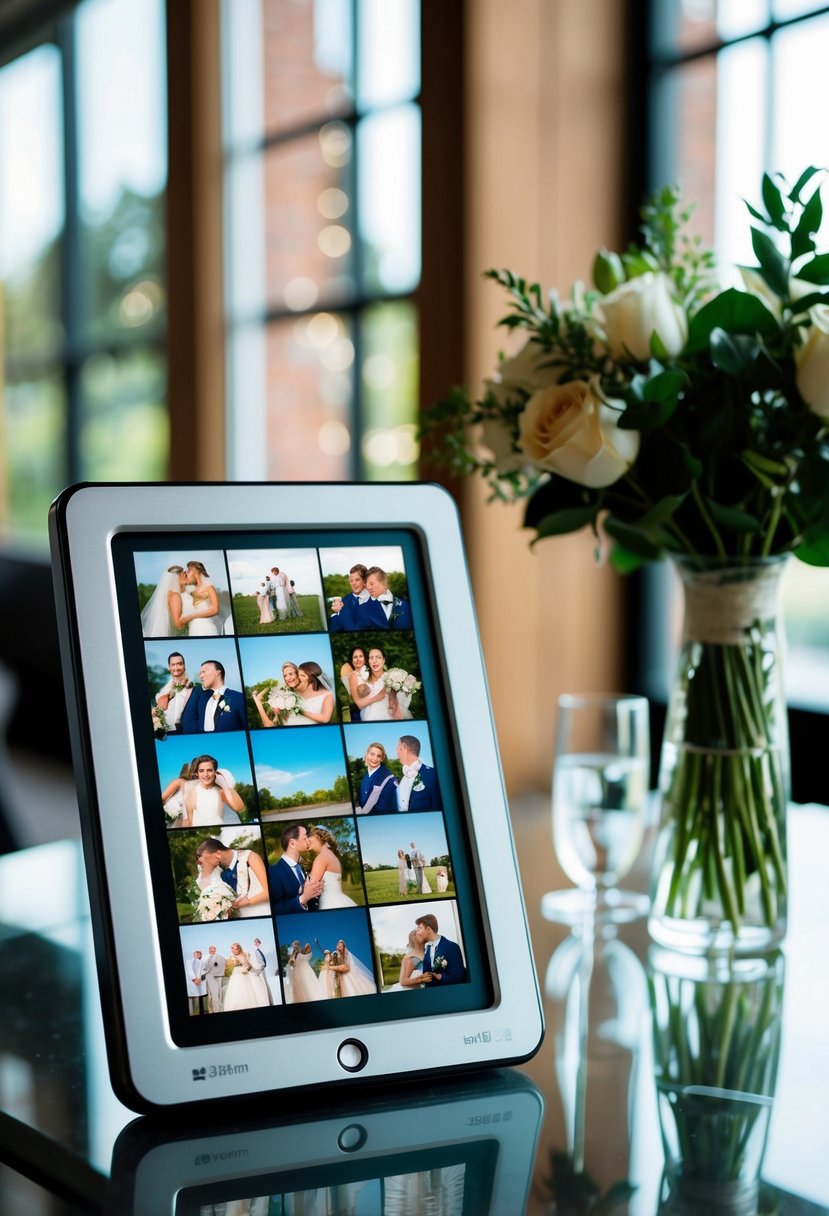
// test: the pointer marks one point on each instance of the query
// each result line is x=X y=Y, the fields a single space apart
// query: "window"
x=737 y=87
x=323 y=245
x=83 y=167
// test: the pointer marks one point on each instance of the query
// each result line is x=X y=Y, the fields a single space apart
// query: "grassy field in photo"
x=246 y=617
x=382 y=887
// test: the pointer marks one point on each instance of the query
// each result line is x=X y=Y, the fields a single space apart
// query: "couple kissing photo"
x=185 y=597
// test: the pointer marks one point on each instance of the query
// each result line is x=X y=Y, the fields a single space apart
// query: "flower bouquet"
x=159 y=720
x=676 y=416
x=284 y=702
x=213 y=903
x=398 y=680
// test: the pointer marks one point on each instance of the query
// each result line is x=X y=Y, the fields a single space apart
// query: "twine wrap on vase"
x=722 y=604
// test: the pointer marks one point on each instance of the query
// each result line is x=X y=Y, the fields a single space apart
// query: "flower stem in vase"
x=720 y=862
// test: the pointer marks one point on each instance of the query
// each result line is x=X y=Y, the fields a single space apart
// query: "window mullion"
x=72 y=291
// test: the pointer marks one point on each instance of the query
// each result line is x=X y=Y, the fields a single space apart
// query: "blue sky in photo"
x=324 y=929
x=340 y=561
x=197 y=651
x=230 y=748
x=361 y=734
x=222 y=933
x=381 y=837
x=262 y=658
x=249 y=566
x=149 y=567
x=393 y=923
x=290 y=760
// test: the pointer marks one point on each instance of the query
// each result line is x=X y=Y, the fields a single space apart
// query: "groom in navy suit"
x=291 y=889
x=383 y=610
x=417 y=789
x=213 y=707
x=442 y=958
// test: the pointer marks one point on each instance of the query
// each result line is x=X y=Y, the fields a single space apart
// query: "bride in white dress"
x=200 y=607
x=251 y=879
x=355 y=979
x=378 y=705
x=157 y=616
x=246 y=989
x=301 y=983
x=328 y=867
x=263 y=599
x=317 y=697
x=212 y=798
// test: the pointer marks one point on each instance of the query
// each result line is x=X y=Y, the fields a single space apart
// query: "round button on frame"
x=352 y=1055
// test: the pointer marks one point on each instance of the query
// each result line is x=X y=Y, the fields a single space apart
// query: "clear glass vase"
x=719 y=871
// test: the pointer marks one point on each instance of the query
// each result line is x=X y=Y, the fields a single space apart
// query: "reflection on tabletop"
x=666 y=1089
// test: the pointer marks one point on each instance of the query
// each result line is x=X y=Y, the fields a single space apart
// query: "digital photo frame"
x=294 y=821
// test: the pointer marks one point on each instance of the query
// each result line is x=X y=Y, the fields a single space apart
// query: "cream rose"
x=812 y=360
x=639 y=308
x=570 y=429
x=522 y=372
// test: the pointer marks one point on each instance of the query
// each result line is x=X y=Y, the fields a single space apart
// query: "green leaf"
x=556 y=495
x=737 y=312
x=647 y=415
x=757 y=215
x=816 y=271
x=809 y=301
x=734 y=354
x=804 y=179
x=814 y=548
x=662 y=511
x=624 y=561
x=733 y=518
x=665 y=386
x=633 y=538
x=774 y=203
x=571 y=519
x=608 y=271
x=807 y=226
x=773 y=266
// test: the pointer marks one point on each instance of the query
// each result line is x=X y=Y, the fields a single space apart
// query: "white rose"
x=637 y=309
x=522 y=371
x=812 y=360
x=570 y=429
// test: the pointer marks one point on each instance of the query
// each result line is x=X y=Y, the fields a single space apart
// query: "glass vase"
x=719 y=871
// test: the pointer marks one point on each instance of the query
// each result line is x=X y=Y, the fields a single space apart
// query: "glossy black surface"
x=724 y=1109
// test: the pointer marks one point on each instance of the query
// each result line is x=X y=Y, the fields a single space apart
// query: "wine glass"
x=600 y=796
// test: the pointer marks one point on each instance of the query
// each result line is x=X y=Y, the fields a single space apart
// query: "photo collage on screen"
x=302 y=860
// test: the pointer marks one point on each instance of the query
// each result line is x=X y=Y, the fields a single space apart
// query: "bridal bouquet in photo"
x=159 y=720
x=674 y=413
x=214 y=902
x=284 y=702
x=398 y=680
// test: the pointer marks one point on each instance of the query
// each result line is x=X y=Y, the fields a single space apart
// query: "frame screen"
x=305 y=816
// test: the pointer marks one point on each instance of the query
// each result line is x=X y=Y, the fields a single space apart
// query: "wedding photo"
x=365 y=590
x=390 y=768
x=174 y=676
x=219 y=874
x=288 y=681
x=313 y=866
x=326 y=957
x=405 y=859
x=408 y=951
x=228 y=967
x=300 y=774
x=379 y=676
x=206 y=781
x=183 y=594
x=276 y=591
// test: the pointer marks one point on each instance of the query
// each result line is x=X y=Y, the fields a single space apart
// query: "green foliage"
x=731 y=460
x=246 y=617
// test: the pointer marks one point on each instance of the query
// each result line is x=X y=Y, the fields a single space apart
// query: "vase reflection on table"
x=716 y=1026
x=599 y=804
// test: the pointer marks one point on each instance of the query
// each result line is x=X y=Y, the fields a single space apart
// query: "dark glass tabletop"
x=664 y=1084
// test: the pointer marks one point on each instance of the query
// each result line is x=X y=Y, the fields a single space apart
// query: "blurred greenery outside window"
x=323 y=250
x=736 y=88
x=83 y=166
